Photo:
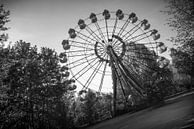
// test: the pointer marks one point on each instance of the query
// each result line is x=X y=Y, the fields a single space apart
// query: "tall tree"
x=181 y=19
x=4 y=18
x=36 y=89
x=4 y=64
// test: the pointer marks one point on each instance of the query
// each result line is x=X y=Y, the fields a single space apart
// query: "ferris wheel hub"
x=102 y=48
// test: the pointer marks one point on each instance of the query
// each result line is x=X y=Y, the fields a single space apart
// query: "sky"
x=45 y=23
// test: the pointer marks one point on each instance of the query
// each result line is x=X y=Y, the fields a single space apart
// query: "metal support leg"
x=114 y=87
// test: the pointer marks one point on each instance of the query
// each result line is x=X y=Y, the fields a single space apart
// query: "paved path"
x=171 y=116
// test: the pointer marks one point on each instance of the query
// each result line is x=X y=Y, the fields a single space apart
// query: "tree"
x=182 y=61
x=4 y=18
x=38 y=91
x=4 y=64
x=161 y=86
x=91 y=107
x=181 y=20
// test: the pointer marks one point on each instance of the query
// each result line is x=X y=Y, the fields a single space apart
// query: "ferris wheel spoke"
x=78 y=55
x=148 y=45
x=93 y=75
x=86 y=40
x=115 y=26
x=134 y=73
x=100 y=32
x=143 y=53
x=93 y=34
x=133 y=70
x=104 y=55
x=107 y=29
x=79 y=51
x=85 y=57
x=78 y=81
x=81 y=63
x=96 y=36
x=144 y=43
x=82 y=47
x=142 y=58
x=121 y=80
x=129 y=32
x=101 y=47
x=85 y=36
x=81 y=43
x=130 y=80
x=86 y=70
x=123 y=70
x=130 y=35
x=142 y=63
x=120 y=76
x=122 y=29
x=125 y=74
x=102 y=78
x=138 y=73
x=101 y=51
x=141 y=38
x=143 y=50
x=117 y=45
x=117 y=38
x=145 y=33
x=116 y=48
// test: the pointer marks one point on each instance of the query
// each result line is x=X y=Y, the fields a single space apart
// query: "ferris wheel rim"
x=73 y=74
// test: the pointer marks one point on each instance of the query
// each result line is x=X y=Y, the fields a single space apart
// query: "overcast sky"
x=46 y=22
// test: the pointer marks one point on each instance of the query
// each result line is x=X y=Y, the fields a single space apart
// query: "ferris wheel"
x=112 y=50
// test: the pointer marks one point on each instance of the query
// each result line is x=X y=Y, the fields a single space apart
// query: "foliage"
x=160 y=86
x=183 y=61
x=92 y=107
x=181 y=19
x=36 y=95
x=181 y=13
x=4 y=18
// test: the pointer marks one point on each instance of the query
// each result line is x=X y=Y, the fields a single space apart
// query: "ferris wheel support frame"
x=117 y=69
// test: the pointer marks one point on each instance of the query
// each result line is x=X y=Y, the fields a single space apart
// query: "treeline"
x=34 y=90
x=36 y=94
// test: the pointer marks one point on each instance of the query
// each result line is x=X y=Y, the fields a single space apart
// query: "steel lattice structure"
x=112 y=46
